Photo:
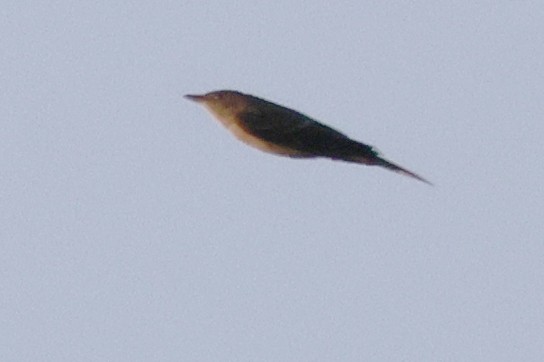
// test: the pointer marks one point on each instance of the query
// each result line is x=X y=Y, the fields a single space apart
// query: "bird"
x=279 y=130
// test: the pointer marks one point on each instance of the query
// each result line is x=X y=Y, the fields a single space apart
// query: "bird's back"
x=289 y=128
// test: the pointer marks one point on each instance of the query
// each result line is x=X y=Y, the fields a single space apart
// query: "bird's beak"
x=195 y=98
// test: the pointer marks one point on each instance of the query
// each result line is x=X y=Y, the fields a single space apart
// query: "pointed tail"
x=396 y=168
x=367 y=155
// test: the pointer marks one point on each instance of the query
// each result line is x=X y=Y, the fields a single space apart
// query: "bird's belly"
x=261 y=144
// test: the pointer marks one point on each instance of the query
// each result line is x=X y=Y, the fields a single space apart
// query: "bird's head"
x=223 y=103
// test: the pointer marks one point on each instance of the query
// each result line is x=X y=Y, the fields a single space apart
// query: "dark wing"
x=289 y=128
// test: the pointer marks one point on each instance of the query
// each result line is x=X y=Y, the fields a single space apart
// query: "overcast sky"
x=133 y=227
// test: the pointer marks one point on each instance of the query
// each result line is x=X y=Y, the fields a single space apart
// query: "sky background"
x=133 y=227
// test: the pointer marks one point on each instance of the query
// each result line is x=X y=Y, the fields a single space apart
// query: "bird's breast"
x=261 y=144
x=233 y=125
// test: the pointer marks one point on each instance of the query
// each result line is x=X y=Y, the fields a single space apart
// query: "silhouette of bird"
x=283 y=131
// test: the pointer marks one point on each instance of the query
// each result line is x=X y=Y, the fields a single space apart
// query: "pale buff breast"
x=260 y=144
x=231 y=123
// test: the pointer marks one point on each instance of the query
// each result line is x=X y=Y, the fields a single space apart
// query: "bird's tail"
x=376 y=160
x=396 y=168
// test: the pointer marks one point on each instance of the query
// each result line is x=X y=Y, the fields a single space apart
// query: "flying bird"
x=283 y=131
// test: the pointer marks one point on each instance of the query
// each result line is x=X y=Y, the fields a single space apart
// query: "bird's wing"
x=288 y=128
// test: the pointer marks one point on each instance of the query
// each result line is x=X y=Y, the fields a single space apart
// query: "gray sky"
x=135 y=228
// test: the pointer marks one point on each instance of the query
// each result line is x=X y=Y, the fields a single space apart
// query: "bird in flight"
x=283 y=131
